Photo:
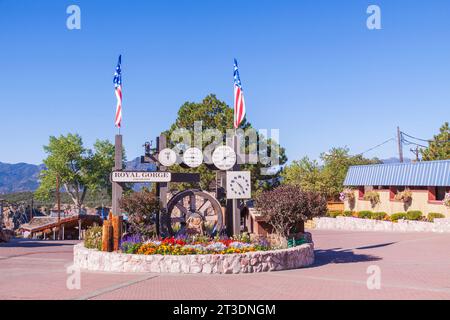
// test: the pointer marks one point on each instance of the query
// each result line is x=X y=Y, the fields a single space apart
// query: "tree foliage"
x=439 y=147
x=326 y=178
x=216 y=114
x=140 y=206
x=79 y=169
x=287 y=205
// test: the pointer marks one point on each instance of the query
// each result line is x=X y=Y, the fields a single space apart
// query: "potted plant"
x=404 y=196
x=447 y=200
x=373 y=197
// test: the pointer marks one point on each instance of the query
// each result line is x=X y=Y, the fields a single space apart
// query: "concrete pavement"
x=413 y=266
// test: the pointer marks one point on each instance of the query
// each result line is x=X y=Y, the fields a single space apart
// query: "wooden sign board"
x=140 y=176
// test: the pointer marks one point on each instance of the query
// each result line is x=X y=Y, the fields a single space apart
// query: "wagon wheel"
x=193 y=208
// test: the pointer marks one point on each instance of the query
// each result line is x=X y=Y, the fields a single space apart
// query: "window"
x=440 y=193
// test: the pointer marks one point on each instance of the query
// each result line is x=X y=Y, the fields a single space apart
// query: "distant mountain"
x=19 y=177
x=395 y=160
x=22 y=177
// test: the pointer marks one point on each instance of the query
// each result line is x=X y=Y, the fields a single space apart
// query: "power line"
x=377 y=146
x=429 y=141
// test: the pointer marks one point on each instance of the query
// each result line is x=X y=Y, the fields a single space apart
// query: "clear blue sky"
x=310 y=68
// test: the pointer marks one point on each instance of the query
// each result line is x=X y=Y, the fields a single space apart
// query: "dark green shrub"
x=93 y=238
x=414 y=215
x=335 y=213
x=435 y=215
x=365 y=214
x=378 y=215
x=347 y=213
x=398 y=216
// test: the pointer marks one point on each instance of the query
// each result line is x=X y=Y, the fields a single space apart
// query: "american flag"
x=239 y=104
x=118 y=89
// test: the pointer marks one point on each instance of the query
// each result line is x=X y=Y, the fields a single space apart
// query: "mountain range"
x=20 y=177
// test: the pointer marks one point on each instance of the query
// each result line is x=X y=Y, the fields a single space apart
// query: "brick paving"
x=413 y=266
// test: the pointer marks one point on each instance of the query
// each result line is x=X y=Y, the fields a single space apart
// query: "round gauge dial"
x=239 y=185
x=193 y=157
x=167 y=157
x=224 y=157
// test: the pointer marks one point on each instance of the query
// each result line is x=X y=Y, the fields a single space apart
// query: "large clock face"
x=193 y=157
x=238 y=185
x=224 y=157
x=167 y=157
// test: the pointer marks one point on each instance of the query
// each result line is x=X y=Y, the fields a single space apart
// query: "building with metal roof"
x=427 y=181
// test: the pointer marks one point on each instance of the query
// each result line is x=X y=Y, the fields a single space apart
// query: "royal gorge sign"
x=140 y=176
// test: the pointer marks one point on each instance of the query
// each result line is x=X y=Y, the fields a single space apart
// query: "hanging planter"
x=404 y=196
x=373 y=197
x=447 y=200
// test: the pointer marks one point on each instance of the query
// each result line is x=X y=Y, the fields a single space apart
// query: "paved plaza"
x=413 y=266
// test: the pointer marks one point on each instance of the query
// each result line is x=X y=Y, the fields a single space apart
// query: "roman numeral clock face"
x=239 y=185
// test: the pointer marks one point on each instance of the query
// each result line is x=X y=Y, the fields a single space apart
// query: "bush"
x=335 y=213
x=140 y=206
x=348 y=213
x=365 y=214
x=434 y=215
x=285 y=206
x=414 y=215
x=398 y=216
x=378 y=215
x=93 y=238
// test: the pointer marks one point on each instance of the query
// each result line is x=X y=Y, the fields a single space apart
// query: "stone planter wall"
x=261 y=261
x=356 y=224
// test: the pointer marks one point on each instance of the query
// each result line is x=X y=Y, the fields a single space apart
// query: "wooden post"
x=116 y=187
x=107 y=235
x=79 y=229
x=161 y=187
x=400 y=144
x=117 y=231
x=63 y=231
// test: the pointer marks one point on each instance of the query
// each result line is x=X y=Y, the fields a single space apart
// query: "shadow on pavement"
x=323 y=257
x=376 y=246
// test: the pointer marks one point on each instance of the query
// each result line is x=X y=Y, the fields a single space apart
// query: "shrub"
x=378 y=215
x=414 y=215
x=140 y=206
x=398 y=216
x=365 y=214
x=434 y=215
x=348 y=213
x=373 y=197
x=335 y=213
x=285 y=206
x=93 y=238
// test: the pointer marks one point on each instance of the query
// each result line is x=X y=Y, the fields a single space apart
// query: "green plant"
x=93 y=238
x=414 y=215
x=286 y=206
x=335 y=213
x=404 y=196
x=435 y=215
x=378 y=215
x=365 y=214
x=398 y=216
x=348 y=213
x=373 y=197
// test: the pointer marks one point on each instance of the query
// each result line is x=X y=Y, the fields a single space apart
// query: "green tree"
x=218 y=115
x=79 y=169
x=327 y=178
x=439 y=147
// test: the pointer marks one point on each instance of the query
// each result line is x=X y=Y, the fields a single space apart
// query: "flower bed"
x=192 y=245
x=199 y=255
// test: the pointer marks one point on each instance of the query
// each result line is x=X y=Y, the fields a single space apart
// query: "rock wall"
x=356 y=224
x=261 y=261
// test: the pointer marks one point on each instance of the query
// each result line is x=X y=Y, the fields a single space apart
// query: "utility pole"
x=400 y=145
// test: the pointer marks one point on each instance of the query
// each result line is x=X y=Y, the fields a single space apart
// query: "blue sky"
x=310 y=68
